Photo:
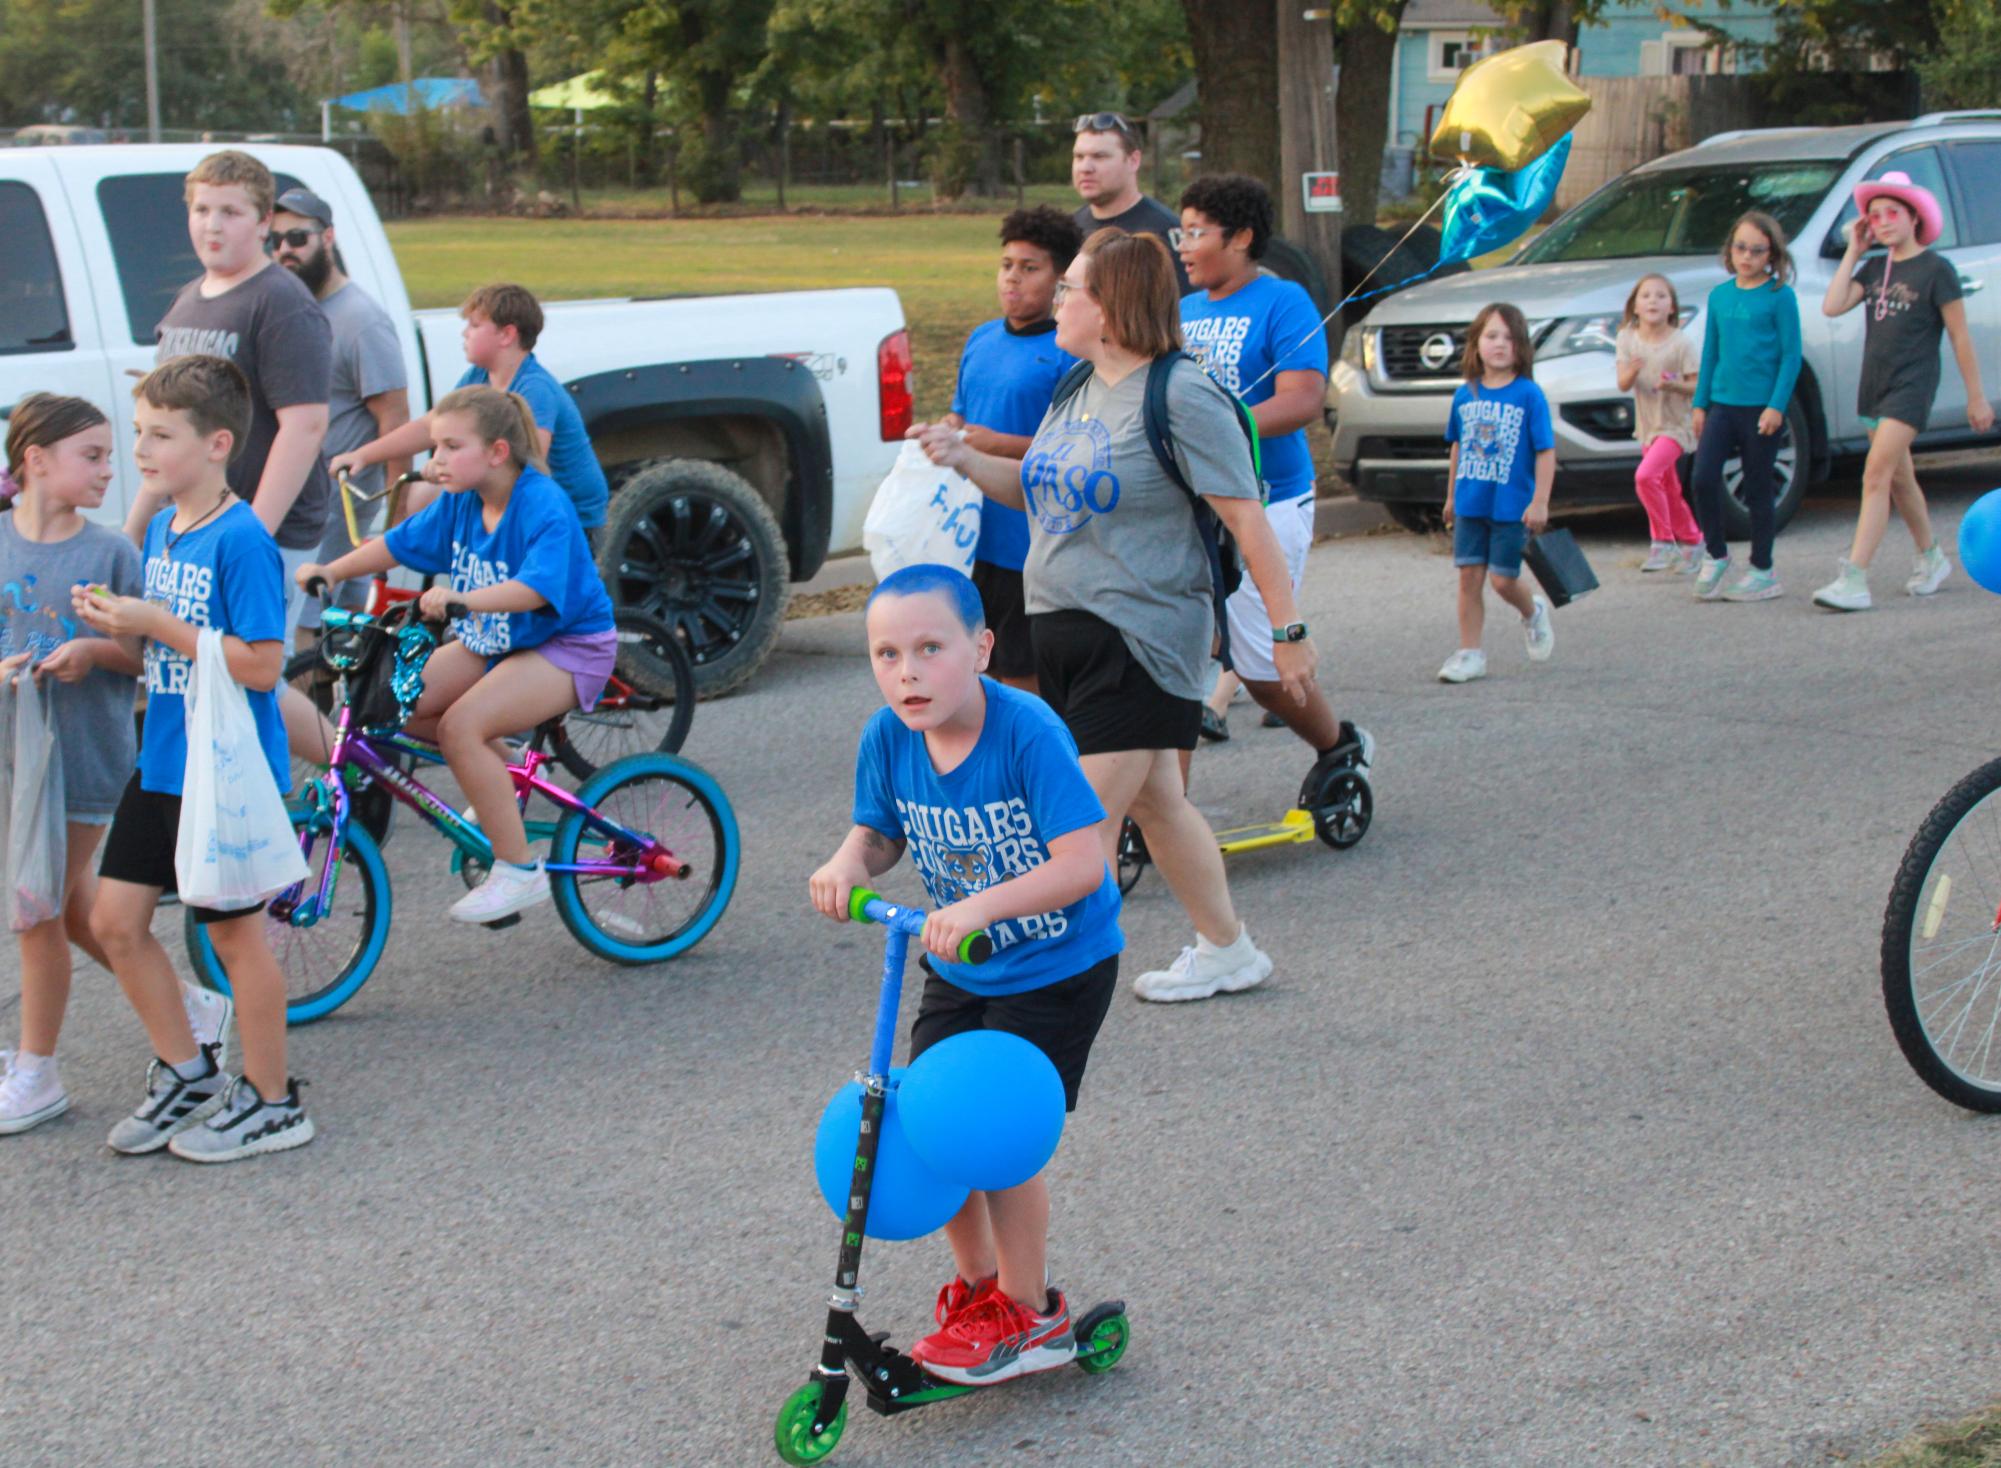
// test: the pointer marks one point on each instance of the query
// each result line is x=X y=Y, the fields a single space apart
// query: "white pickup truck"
x=742 y=435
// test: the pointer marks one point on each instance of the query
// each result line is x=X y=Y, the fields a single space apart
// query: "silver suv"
x=1388 y=394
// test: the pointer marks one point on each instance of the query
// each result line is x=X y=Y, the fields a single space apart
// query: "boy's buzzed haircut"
x=1235 y=201
x=1047 y=229
x=508 y=305
x=212 y=391
x=231 y=166
x=954 y=585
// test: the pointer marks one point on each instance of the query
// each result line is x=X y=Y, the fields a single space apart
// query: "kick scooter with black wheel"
x=1336 y=805
x=810 y=1423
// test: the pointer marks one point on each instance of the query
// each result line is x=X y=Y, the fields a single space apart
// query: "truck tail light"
x=894 y=379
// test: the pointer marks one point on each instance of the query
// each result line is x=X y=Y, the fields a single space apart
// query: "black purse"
x=1559 y=564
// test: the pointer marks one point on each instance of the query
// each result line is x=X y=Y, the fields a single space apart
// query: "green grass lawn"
x=942 y=266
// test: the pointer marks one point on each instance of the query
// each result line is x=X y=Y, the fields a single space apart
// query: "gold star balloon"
x=1510 y=109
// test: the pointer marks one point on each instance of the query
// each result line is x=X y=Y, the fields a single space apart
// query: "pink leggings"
x=1659 y=488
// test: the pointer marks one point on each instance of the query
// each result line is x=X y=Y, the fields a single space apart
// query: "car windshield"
x=1681 y=212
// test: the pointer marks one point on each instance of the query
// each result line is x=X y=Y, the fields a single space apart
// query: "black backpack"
x=1226 y=563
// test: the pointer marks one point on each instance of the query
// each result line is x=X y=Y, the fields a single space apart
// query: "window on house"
x=1451 y=52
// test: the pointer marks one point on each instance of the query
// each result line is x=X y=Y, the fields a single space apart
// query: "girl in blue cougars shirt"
x=538 y=641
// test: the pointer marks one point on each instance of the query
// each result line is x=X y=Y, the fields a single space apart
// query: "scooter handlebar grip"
x=977 y=948
x=858 y=901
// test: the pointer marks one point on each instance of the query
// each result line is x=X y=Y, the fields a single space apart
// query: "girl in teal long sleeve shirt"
x=1750 y=361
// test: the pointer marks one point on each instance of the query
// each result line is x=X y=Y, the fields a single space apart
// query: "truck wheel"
x=693 y=545
x=1416 y=518
x=1789 y=475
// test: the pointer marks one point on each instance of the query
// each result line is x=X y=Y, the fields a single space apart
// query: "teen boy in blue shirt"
x=1007 y=374
x=981 y=783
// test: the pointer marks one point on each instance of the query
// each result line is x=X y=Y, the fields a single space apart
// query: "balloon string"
x=1356 y=294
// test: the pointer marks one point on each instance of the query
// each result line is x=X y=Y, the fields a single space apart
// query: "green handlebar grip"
x=977 y=948
x=858 y=900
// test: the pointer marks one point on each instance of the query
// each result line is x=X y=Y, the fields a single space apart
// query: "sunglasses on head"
x=1104 y=122
x=298 y=239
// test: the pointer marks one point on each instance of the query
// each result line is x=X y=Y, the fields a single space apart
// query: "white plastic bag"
x=33 y=836
x=922 y=513
x=235 y=845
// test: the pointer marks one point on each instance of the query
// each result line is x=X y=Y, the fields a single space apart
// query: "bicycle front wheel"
x=677 y=805
x=325 y=962
x=1942 y=945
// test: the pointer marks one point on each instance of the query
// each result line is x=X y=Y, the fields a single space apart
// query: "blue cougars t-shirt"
x=226 y=575
x=1499 y=431
x=1238 y=340
x=1006 y=379
x=990 y=819
x=573 y=464
x=538 y=542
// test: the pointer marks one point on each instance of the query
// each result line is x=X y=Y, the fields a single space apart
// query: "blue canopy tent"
x=424 y=93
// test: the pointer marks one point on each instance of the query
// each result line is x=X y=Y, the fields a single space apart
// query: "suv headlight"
x=1575 y=334
x=1356 y=346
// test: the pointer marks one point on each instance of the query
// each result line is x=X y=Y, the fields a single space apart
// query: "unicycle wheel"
x=796 y=1436
x=1133 y=856
x=1103 y=1344
x=1342 y=808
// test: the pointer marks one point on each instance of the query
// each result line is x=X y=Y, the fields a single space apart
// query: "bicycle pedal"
x=507 y=922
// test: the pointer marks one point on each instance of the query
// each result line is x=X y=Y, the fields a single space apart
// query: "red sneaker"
x=996 y=1338
x=957 y=1295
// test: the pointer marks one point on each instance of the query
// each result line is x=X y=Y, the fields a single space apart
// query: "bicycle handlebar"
x=865 y=906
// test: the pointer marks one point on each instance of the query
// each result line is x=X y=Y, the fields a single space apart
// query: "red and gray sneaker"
x=996 y=1338
x=957 y=1295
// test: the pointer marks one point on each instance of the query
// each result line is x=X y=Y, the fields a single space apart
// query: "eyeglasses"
x=1106 y=122
x=298 y=239
x=1198 y=233
x=1063 y=289
x=1743 y=249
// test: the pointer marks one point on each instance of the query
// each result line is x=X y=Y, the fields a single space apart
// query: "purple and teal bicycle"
x=642 y=859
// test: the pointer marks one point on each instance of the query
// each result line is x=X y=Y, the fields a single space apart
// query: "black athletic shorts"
x=139 y=847
x=1061 y=1019
x=1007 y=617
x=1110 y=703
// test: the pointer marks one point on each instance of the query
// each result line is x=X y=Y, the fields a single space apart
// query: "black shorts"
x=139 y=847
x=1110 y=703
x=1061 y=1019
x=1007 y=618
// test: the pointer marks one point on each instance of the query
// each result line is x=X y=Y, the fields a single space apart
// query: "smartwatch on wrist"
x=1290 y=632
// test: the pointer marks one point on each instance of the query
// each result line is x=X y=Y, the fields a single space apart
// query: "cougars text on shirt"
x=1489 y=434
x=485 y=633
x=184 y=589
x=961 y=850
x=1217 y=342
x=198 y=341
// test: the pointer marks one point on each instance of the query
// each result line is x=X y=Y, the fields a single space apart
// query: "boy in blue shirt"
x=209 y=563
x=982 y=784
x=503 y=323
x=1007 y=374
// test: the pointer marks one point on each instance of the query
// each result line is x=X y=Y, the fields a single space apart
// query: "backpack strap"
x=1070 y=384
x=1160 y=428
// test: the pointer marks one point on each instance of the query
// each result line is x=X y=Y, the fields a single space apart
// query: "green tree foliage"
x=1964 y=69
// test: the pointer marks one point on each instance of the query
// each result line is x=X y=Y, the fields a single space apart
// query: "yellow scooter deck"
x=1294 y=828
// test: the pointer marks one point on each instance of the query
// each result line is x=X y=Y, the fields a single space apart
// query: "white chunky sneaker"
x=30 y=1095
x=1660 y=556
x=1848 y=591
x=507 y=890
x=1205 y=969
x=1464 y=666
x=208 y=1017
x=1928 y=573
x=1538 y=632
x=245 y=1125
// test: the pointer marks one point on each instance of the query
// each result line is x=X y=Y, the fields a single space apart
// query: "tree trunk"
x=1362 y=113
x=1546 y=20
x=971 y=151
x=1236 y=71
x=649 y=144
x=507 y=97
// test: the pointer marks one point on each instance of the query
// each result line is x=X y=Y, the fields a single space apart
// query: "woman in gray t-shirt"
x=1117 y=580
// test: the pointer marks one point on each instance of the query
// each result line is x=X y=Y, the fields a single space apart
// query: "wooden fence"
x=1635 y=119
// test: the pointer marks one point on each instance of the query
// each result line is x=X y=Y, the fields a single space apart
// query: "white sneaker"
x=507 y=890
x=1464 y=666
x=29 y=1097
x=208 y=1017
x=1848 y=591
x=1661 y=555
x=1204 y=969
x=1709 y=577
x=1690 y=559
x=1928 y=573
x=1538 y=632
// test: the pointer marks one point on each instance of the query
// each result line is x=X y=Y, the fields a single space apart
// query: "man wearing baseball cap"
x=370 y=392
x=1910 y=298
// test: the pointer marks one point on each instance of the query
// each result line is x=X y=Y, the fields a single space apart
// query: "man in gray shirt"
x=370 y=395
x=1104 y=169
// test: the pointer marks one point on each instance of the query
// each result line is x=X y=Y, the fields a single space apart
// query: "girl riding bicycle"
x=538 y=640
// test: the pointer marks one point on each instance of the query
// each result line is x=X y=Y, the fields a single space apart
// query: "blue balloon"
x=1488 y=208
x=1980 y=541
x=907 y=1200
x=984 y=1109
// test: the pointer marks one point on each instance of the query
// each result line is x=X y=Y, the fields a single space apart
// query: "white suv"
x=1388 y=394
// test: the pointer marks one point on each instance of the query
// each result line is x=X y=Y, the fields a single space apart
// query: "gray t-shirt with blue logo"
x=1112 y=535
x=94 y=716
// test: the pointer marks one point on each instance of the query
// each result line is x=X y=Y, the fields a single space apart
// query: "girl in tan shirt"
x=1657 y=364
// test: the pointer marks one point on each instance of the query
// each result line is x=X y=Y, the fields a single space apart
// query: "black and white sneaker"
x=245 y=1125
x=171 y=1105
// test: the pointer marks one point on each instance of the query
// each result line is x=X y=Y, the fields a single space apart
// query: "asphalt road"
x=1569 y=1129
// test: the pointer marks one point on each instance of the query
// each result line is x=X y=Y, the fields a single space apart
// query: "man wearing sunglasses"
x=370 y=395
x=1104 y=166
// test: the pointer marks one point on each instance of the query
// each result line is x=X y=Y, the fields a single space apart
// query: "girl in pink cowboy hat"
x=1914 y=297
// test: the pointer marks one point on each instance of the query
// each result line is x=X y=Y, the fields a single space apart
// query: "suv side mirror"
x=1836 y=243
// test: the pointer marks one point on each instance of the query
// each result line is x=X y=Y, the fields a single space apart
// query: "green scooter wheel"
x=797 y=1441
x=1106 y=1344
